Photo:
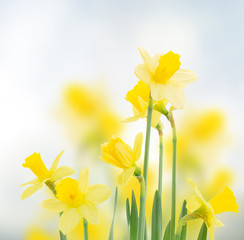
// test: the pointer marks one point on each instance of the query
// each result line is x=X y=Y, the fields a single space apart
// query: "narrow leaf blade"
x=203 y=232
x=111 y=233
x=182 y=214
x=133 y=218
x=167 y=231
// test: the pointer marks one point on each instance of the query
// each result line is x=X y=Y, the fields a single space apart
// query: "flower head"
x=200 y=208
x=139 y=98
x=165 y=78
x=77 y=200
x=36 y=165
x=118 y=153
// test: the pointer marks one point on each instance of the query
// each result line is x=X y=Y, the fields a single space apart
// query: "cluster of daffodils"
x=158 y=93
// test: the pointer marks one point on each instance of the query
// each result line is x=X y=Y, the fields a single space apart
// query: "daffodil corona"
x=36 y=165
x=118 y=153
x=165 y=78
x=77 y=200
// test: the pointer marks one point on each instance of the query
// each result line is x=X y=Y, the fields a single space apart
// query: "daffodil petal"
x=125 y=176
x=53 y=205
x=62 y=172
x=192 y=204
x=125 y=154
x=84 y=180
x=30 y=182
x=150 y=63
x=211 y=232
x=56 y=161
x=199 y=196
x=69 y=220
x=183 y=77
x=30 y=190
x=89 y=212
x=224 y=202
x=157 y=90
x=98 y=193
x=138 y=145
x=155 y=118
x=134 y=118
x=108 y=158
x=142 y=73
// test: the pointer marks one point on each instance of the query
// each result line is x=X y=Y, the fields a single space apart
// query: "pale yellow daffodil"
x=200 y=208
x=165 y=78
x=139 y=98
x=36 y=165
x=118 y=153
x=77 y=200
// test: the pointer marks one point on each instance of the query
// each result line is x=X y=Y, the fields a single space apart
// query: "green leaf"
x=156 y=233
x=133 y=218
x=167 y=231
x=203 y=232
x=111 y=233
x=182 y=214
x=128 y=211
x=145 y=233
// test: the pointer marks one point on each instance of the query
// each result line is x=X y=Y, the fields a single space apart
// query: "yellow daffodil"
x=77 y=200
x=118 y=153
x=165 y=78
x=200 y=208
x=36 y=233
x=36 y=165
x=139 y=98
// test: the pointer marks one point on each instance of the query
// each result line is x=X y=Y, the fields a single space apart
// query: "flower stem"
x=160 y=167
x=85 y=228
x=173 y=200
x=143 y=188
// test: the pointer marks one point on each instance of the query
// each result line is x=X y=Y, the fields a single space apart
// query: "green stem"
x=85 y=228
x=111 y=233
x=173 y=200
x=142 y=217
x=160 y=167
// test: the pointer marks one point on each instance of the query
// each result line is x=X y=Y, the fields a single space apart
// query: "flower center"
x=169 y=63
x=68 y=192
x=36 y=165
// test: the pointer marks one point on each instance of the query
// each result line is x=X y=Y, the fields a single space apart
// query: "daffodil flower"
x=118 y=153
x=200 y=208
x=139 y=98
x=36 y=165
x=165 y=78
x=77 y=200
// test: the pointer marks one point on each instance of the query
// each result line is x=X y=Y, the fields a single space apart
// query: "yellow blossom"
x=200 y=208
x=36 y=165
x=139 y=98
x=77 y=200
x=36 y=233
x=165 y=78
x=118 y=153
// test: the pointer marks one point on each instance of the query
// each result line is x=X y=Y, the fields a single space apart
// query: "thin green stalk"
x=85 y=228
x=111 y=233
x=142 y=217
x=160 y=167
x=173 y=200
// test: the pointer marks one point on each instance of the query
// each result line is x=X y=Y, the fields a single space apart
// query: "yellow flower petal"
x=125 y=176
x=199 y=196
x=53 y=205
x=55 y=162
x=30 y=182
x=224 y=202
x=142 y=73
x=124 y=152
x=211 y=232
x=135 y=118
x=150 y=63
x=192 y=204
x=69 y=220
x=30 y=190
x=89 y=212
x=155 y=118
x=108 y=158
x=62 y=172
x=84 y=180
x=183 y=77
x=97 y=193
x=138 y=145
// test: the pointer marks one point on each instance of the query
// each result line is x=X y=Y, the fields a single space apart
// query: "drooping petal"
x=30 y=190
x=125 y=176
x=157 y=90
x=98 y=193
x=62 y=172
x=53 y=205
x=155 y=118
x=84 y=180
x=175 y=96
x=69 y=220
x=138 y=145
x=224 y=202
x=124 y=152
x=183 y=77
x=211 y=232
x=30 y=182
x=108 y=158
x=193 y=204
x=134 y=118
x=55 y=162
x=150 y=63
x=89 y=212
x=142 y=73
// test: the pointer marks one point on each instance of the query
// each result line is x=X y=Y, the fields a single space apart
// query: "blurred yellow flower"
x=118 y=153
x=36 y=233
x=200 y=208
x=139 y=98
x=165 y=78
x=36 y=165
x=77 y=200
